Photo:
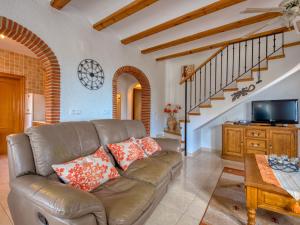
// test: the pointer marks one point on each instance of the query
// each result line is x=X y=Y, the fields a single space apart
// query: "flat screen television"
x=275 y=111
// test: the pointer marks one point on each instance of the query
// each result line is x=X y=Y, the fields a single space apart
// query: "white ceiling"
x=164 y=10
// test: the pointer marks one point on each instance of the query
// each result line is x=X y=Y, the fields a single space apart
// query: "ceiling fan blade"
x=271 y=22
x=260 y=10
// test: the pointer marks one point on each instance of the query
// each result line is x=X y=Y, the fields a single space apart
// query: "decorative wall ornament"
x=243 y=92
x=90 y=74
x=187 y=70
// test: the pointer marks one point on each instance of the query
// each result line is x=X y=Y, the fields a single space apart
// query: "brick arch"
x=146 y=92
x=49 y=62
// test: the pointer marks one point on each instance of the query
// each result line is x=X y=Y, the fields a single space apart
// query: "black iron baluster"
x=185 y=118
x=246 y=46
x=259 y=61
x=233 y=63
x=227 y=67
x=252 y=59
x=195 y=88
x=266 y=48
x=274 y=43
x=216 y=73
x=221 y=70
x=205 y=83
x=282 y=42
x=239 y=69
x=210 y=78
x=252 y=54
x=191 y=93
x=200 y=89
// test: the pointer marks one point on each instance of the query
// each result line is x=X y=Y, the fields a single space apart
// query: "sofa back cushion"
x=54 y=144
x=135 y=128
x=110 y=131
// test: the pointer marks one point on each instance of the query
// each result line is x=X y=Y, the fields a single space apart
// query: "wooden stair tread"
x=175 y=132
x=230 y=89
x=291 y=44
x=217 y=98
x=194 y=113
x=183 y=121
x=276 y=57
x=259 y=69
x=205 y=106
x=245 y=79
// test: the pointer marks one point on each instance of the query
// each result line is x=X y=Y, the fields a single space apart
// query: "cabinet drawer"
x=257 y=151
x=256 y=133
x=256 y=144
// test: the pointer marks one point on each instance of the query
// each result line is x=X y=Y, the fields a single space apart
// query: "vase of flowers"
x=172 y=110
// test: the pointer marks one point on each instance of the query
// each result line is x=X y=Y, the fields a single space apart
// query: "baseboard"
x=197 y=152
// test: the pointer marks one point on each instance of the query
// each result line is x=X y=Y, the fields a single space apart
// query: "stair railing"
x=231 y=63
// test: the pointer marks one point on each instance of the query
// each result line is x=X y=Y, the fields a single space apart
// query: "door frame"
x=21 y=79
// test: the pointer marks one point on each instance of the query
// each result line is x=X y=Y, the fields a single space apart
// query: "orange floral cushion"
x=126 y=153
x=148 y=144
x=89 y=172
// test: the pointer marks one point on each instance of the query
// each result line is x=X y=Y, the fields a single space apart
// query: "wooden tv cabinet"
x=258 y=139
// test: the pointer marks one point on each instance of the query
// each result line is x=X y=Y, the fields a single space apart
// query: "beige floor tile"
x=164 y=215
x=178 y=198
x=197 y=208
x=187 y=220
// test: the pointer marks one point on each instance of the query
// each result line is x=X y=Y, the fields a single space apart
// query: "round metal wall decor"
x=90 y=74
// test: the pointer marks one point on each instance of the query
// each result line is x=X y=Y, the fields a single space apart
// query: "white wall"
x=72 y=39
x=211 y=133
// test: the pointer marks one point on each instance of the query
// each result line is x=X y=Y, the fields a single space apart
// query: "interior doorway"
x=12 y=95
x=137 y=102
x=145 y=95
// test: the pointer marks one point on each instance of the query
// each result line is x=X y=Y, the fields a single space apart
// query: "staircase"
x=235 y=71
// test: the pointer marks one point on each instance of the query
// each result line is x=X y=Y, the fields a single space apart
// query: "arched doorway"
x=49 y=61
x=146 y=93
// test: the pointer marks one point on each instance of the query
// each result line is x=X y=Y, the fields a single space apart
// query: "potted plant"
x=172 y=110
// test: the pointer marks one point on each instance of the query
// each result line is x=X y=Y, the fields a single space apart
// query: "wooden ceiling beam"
x=223 y=43
x=59 y=4
x=216 y=6
x=122 y=13
x=213 y=31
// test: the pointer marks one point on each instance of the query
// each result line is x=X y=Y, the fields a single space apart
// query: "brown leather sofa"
x=37 y=197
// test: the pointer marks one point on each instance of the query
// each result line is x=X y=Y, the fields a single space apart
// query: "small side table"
x=262 y=195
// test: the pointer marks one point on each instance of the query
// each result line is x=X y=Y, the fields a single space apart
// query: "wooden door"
x=11 y=107
x=233 y=141
x=119 y=106
x=137 y=104
x=282 y=142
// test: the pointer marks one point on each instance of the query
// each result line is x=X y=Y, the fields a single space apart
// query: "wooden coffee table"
x=262 y=195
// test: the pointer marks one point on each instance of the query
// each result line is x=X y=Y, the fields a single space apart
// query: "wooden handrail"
x=225 y=44
x=206 y=61
x=229 y=42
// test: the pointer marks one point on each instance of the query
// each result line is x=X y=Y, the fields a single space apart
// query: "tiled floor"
x=185 y=201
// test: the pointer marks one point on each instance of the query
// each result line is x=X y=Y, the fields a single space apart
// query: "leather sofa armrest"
x=169 y=144
x=58 y=199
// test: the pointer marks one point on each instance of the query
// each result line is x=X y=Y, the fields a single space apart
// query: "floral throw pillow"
x=89 y=172
x=148 y=144
x=126 y=153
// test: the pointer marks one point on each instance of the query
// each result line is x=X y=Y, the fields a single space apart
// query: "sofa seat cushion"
x=172 y=158
x=125 y=200
x=149 y=170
